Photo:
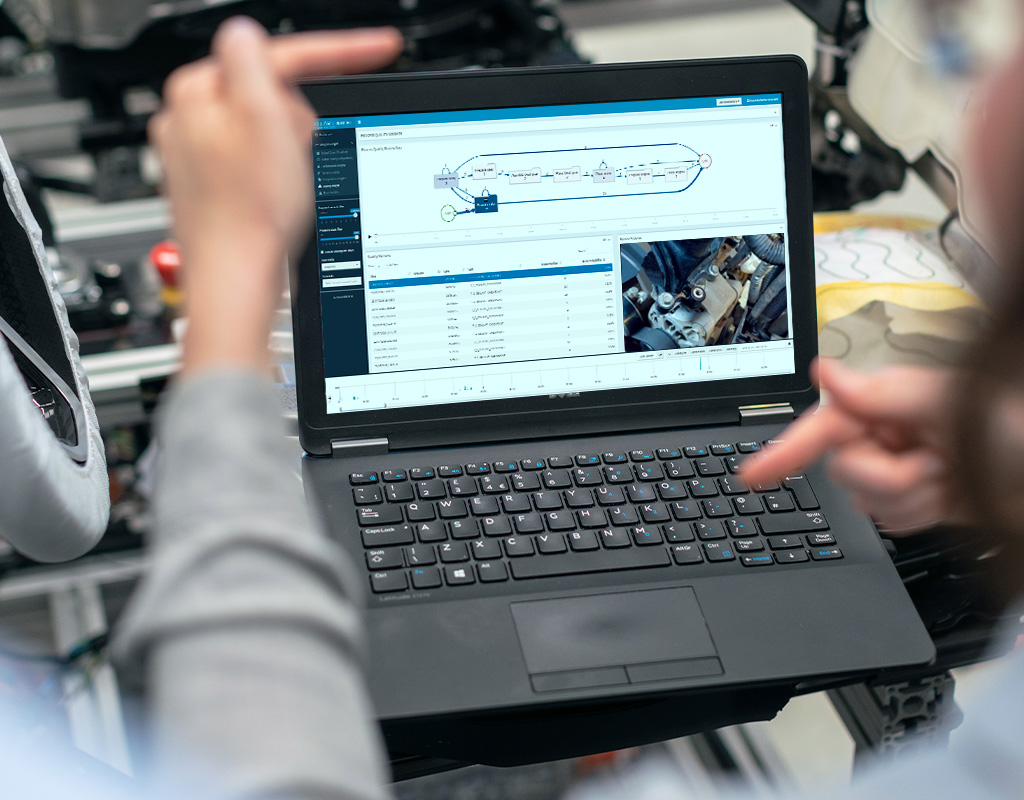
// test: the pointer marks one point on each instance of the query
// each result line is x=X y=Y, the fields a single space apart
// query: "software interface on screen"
x=503 y=253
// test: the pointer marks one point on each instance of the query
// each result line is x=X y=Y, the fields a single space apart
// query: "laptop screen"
x=522 y=252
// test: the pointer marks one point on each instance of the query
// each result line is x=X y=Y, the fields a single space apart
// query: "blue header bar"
x=533 y=112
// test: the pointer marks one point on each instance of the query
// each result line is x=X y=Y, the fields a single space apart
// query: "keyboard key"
x=581 y=541
x=450 y=471
x=422 y=474
x=518 y=546
x=504 y=466
x=678 y=469
x=462 y=487
x=587 y=476
x=458 y=576
x=709 y=529
x=579 y=498
x=516 y=503
x=709 y=466
x=483 y=506
x=716 y=508
x=367 y=495
x=613 y=538
x=363 y=478
x=478 y=469
x=420 y=555
x=790 y=556
x=425 y=578
x=560 y=520
x=801 y=490
x=585 y=460
x=453 y=552
x=390 y=581
x=495 y=526
x=695 y=451
x=760 y=560
x=771 y=486
x=732 y=485
x=748 y=447
x=793 y=523
x=384 y=559
x=528 y=523
x=531 y=463
x=596 y=561
x=560 y=462
x=686 y=554
x=748 y=545
x=485 y=549
x=671 y=491
x=784 y=542
x=654 y=512
x=379 y=515
x=685 y=510
x=419 y=512
x=701 y=487
x=820 y=539
x=493 y=484
x=640 y=493
x=622 y=515
x=722 y=450
x=646 y=535
x=650 y=472
x=427 y=490
x=526 y=481
x=393 y=475
x=613 y=458
x=492 y=572
x=592 y=518
x=747 y=504
x=779 y=502
x=548 y=543
x=719 y=551
x=399 y=492
x=464 y=528
x=641 y=455
x=826 y=553
x=621 y=474
x=452 y=509
x=555 y=479
x=610 y=495
x=739 y=528
x=669 y=453
x=676 y=532
x=732 y=463
x=431 y=532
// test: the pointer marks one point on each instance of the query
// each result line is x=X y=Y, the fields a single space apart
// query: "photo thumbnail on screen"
x=702 y=292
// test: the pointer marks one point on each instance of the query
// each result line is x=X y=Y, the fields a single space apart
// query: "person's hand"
x=887 y=433
x=234 y=136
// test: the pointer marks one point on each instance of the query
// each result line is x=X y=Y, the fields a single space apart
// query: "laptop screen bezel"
x=710 y=402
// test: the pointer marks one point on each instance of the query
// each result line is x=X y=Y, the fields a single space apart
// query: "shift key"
x=795 y=522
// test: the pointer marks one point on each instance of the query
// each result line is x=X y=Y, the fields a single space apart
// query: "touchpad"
x=612 y=629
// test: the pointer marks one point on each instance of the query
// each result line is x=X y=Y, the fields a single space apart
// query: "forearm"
x=246 y=625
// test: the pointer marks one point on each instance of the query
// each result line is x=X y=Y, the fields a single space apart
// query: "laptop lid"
x=545 y=252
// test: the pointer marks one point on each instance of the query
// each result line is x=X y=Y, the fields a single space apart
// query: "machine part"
x=761 y=274
x=767 y=248
x=886 y=719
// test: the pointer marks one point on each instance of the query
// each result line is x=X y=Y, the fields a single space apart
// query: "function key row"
x=554 y=462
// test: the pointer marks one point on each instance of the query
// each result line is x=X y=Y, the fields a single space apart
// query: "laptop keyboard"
x=455 y=525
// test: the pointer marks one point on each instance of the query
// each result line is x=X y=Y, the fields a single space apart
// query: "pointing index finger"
x=804 y=442
x=321 y=53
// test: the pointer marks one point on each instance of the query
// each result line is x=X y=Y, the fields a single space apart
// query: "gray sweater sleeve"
x=245 y=627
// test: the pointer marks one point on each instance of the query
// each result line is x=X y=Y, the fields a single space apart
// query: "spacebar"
x=543 y=566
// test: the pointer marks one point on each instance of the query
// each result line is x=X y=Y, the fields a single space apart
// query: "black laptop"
x=545 y=316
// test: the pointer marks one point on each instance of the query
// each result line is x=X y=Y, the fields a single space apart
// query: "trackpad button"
x=612 y=629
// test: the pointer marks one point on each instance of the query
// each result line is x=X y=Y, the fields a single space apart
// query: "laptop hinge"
x=359 y=447
x=769 y=412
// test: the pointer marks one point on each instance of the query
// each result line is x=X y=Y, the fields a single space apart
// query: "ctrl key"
x=390 y=581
